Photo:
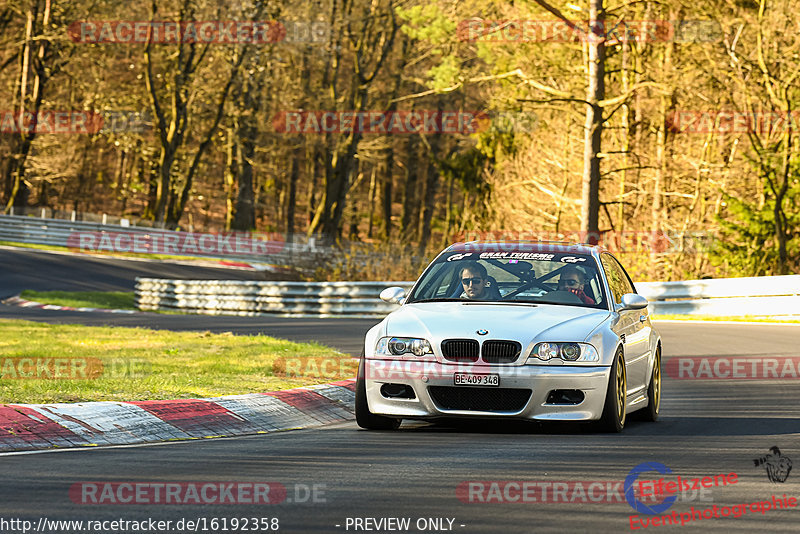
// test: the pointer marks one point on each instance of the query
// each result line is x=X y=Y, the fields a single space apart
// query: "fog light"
x=565 y=396
x=397 y=391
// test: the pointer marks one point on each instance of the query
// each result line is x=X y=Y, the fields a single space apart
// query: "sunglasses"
x=466 y=281
x=569 y=282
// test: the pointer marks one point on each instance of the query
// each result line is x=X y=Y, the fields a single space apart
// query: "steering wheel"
x=559 y=296
x=525 y=286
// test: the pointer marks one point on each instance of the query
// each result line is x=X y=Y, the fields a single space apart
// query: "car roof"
x=525 y=246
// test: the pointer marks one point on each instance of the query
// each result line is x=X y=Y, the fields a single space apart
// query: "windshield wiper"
x=503 y=302
x=437 y=300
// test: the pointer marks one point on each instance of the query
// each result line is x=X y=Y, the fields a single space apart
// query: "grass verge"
x=734 y=318
x=113 y=300
x=44 y=363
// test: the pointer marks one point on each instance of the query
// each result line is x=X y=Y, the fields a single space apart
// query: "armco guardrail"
x=222 y=297
x=763 y=295
x=138 y=239
x=773 y=296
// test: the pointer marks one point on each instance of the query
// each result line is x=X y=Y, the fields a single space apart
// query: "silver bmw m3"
x=519 y=330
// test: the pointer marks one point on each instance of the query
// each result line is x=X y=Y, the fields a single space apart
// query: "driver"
x=573 y=279
x=474 y=280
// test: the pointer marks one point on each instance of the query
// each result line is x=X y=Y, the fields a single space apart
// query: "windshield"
x=529 y=277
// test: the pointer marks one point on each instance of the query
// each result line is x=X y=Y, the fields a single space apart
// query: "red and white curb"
x=22 y=303
x=90 y=424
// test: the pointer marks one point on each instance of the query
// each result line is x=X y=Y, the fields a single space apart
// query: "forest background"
x=666 y=130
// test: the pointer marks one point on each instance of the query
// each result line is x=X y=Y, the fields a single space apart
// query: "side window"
x=616 y=277
x=629 y=287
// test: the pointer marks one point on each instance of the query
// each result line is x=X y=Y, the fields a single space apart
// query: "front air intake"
x=479 y=399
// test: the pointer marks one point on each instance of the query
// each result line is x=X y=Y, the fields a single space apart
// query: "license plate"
x=469 y=379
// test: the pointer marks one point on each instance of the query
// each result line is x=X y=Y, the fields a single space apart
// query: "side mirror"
x=632 y=301
x=392 y=295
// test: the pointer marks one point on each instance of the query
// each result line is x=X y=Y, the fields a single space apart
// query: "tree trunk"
x=432 y=176
x=229 y=176
x=244 y=218
x=294 y=176
x=431 y=189
x=386 y=173
x=312 y=166
x=410 y=203
x=590 y=195
x=17 y=191
x=371 y=196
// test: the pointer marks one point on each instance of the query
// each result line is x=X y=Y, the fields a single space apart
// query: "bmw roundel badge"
x=482 y=332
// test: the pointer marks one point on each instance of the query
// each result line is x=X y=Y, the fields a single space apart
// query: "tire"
x=365 y=418
x=613 y=419
x=650 y=413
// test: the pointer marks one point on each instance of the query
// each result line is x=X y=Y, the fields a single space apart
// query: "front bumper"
x=540 y=380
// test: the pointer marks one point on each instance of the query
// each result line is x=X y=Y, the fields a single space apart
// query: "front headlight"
x=570 y=352
x=397 y=346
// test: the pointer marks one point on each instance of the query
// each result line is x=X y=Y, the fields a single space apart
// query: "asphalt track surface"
x=27 y=269
x=707 y=428
x=51 y=271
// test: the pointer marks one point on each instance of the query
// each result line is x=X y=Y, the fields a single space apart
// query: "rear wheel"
x=364 y=417
x=613 y=419
x=653 y=391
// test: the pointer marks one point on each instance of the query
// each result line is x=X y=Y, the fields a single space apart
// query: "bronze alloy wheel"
x=657 y=382
x=621 y=393
x=613 y=418
x=651 y=411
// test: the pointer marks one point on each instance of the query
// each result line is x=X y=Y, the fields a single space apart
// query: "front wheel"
x=613 y=419
x=364 y=417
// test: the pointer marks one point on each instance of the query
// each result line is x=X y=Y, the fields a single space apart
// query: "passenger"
x=573 y=279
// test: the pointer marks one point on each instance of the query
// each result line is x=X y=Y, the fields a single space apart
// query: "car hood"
x=525 y=323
